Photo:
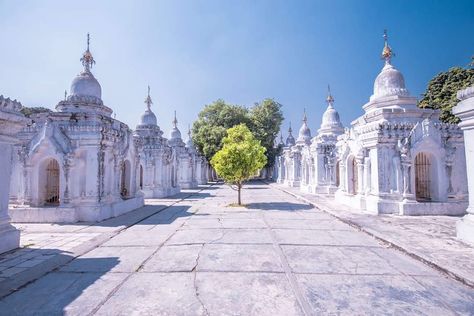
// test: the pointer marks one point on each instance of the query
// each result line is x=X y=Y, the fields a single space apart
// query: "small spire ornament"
x=175 y=121
x=87 y=59
x=329 y=98
x=148 y=100
x=387 y=52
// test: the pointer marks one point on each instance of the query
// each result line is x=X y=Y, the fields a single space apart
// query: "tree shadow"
x=279 y=206
x=53 y=292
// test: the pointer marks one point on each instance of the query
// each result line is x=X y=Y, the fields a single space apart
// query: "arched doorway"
x=51 y=196
x=141 y=177
x=125 y=179
x=423 y=177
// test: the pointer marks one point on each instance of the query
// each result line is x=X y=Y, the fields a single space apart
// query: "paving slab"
x=336 y=260
x=125 y=259
x=247 y=294
x=280 y=256
x=179 y=258
x=154 y=294
x=431 y=239
x=151 y=237
x=370 y=295
x=61 y=293
x=238 y=258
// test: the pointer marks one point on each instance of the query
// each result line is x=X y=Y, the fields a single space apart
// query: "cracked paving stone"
x=154 y=294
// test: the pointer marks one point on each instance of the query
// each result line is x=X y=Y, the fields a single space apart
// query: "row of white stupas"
x=396 y=158
x=80 y=164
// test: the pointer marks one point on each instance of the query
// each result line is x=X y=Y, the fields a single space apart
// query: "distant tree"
x=263 y=120
x=442 y=90
x=212 y=123
x=28 y=111
x=240 y=158
x=266 y=118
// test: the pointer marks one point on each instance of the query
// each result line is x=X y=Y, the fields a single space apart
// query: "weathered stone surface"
x=128 y=259
x=288 y=266
x=155 y=294
x=370 y=294
x=179 y=258
x=61 y=293
x=247 y=294
x=238 y=257
x=431 y=238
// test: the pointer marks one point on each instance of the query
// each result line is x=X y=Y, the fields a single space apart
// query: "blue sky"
x=194 y=52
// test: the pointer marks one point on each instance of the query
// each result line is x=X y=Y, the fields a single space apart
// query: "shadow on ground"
x=280 y=206
x=57 y=292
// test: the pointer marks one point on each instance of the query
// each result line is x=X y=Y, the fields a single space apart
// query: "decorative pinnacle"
x=148 y=100
x=281 y=137
x=65 y=95
x=289 y=129
x=387 y=52
x=305 y=119
x=87 y=59
x=329 y=98
x=175 y=121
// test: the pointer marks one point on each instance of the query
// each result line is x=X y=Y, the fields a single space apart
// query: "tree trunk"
x=239 y=187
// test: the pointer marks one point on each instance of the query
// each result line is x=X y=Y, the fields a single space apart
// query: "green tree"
x=28 y=111
x=212 y=123
x=240 y=158
x=263 y=120
x=442 y=90
x=266 y=118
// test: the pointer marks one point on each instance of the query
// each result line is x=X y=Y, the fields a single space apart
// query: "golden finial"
x=148 y=100
x=87 y=59
x=329 y=98
x=387 y=53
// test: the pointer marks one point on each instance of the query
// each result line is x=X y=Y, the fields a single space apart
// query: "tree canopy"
x=442 y=90
x=28 y=111
x=240 y=158
x=266 y=119
x=263 y=120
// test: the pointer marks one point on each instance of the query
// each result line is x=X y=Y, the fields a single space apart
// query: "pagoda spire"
x=289 y=129
x=87 y=59
x=329 y=98
x=305 y=119
x=148 y=100
x=175 y=120
x=387 y=52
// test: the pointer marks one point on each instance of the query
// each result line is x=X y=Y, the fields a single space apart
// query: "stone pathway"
x=431 y=239
x=277 y=256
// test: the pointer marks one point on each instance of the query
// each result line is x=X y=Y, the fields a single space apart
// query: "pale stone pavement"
x=431 y=239
x=278 y=256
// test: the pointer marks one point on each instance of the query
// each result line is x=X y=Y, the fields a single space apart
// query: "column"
x=11 y=122
x=465 y=111
x=360 y=175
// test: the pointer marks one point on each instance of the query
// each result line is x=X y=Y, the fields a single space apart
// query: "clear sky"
x=194 y=52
